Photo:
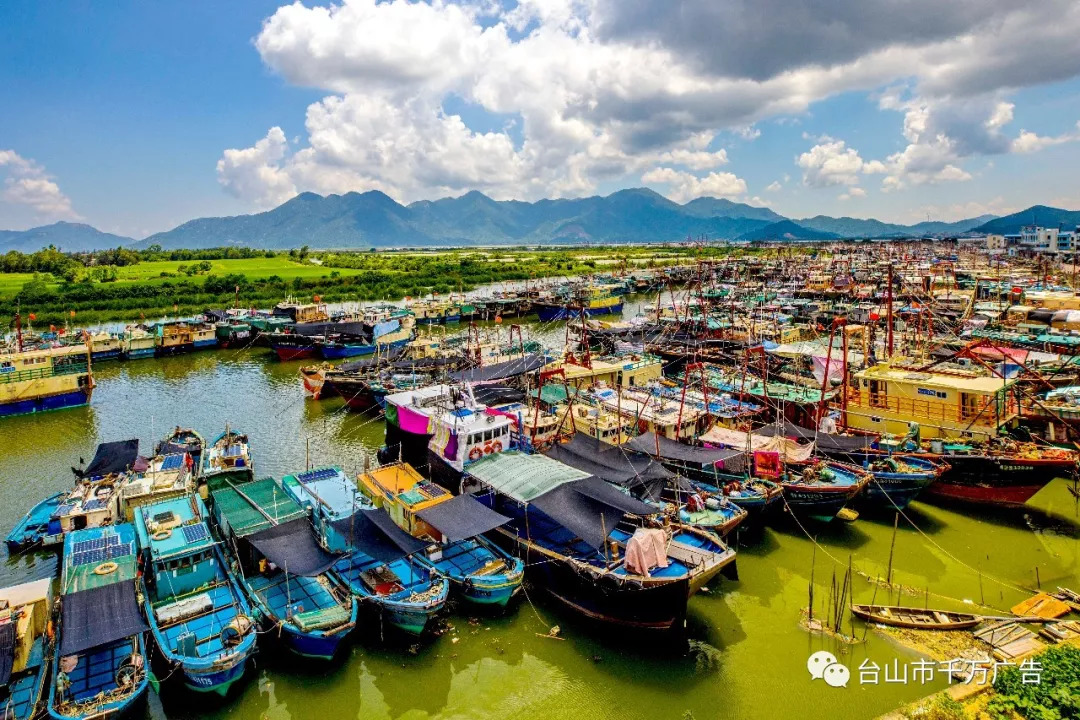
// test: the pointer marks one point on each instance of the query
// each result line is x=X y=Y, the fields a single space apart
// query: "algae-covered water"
x=747 y=653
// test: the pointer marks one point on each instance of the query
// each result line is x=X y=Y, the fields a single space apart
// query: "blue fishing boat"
x=100 y=666
x=25 y=647
x=282 y=567
x=479 y=571
x=34 y=527
x=377 y=566
x=899 y=479
x=593 y=547
x=198 y=615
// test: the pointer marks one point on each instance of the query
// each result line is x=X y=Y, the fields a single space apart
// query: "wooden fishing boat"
x=100 y=667
x=46 y=379
x=479 y=571
x=199 y=617
x=915 y=618
x=183 y=440
x=28 y=647
x=282 y=568
x=105 y=346
x=583 y=542
x=34 y=527
x=228 y=457
x=377 y=566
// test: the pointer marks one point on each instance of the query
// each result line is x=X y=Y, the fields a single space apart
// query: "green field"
x=253 y=269
x=11 y=283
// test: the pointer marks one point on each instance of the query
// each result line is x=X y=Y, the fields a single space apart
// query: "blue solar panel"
x=194 y=533
x=320 y=474
x=94 y=504
x=100 y=554
x=172 y=462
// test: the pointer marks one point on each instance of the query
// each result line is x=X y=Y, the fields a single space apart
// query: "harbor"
x=883 y=480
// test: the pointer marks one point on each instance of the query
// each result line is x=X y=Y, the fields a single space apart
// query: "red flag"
x=72 y=313
x=33 y=316
x=52 y=328
x=317 y=298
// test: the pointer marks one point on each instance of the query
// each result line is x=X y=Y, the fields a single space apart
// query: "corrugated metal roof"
x=238 y=506
x=523 y=477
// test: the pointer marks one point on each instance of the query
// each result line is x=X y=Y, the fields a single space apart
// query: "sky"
x=138 y=116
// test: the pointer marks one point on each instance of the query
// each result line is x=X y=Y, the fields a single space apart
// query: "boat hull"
x=991 y=480
x=45 y=403
x=215 y=680
x=311 y=645
x=285 y=353
x=549 y=313
x=103 y=355
x=818 y=503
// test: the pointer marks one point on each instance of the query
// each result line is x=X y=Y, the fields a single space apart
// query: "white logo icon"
x=823 y=665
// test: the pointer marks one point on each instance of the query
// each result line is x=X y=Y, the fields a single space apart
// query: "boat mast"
x=888 y=313
x=18 y=330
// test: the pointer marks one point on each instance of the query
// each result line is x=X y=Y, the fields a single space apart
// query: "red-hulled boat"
x=1002 y=473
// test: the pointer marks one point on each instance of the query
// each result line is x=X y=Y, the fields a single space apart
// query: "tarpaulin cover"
x=386 y=360
x=169 y=448
x=589 y=508
x=500 y=371
x=674 y=450
x=522 y=477
x=461 y=518
x=622 y=466
x=497 y=395
x=1041 y=316
x=215 y=315
x=292 y=547
x=7 y=651
x=373 y=533
x=112 y=457
x=383 y=328
x=737 y=440
x=826 y=442
x=329 y=328
x=98 y=616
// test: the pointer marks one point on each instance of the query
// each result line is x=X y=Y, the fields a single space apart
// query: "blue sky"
x=135 y=117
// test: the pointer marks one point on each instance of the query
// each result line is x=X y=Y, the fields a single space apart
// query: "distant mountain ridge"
x=375 y=220
x=1035 y=215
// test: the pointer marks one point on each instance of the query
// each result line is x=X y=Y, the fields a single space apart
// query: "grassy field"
x=11 y=283
x=253 y=269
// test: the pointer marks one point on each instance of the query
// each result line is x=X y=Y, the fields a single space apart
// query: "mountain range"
x=374 y=220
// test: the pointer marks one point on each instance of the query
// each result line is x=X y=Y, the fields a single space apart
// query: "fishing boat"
x=166 y=476
x=392 y=333
x=173 y=337
x=586 y=304
x=138 y=343
x=588 y=545
x=100 y=667
x=378 y=565
x=282 y=568
x=105 y=346
x=233 y=332
x=915 y=618
x=464 y=435
x=90 y=503
x=47 y=379
x=479 y=571
x=182 y=440
x=27 y=647
x=296 y=312
x=228 y=457
x=199 y=617
x=718 y=470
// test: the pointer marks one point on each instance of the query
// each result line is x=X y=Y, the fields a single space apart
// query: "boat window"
x=487 y=435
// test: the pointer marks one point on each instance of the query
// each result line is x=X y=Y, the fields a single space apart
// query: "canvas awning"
x=461 y=518
x=674 y=450
x=292 y=546
x=374 y=533
x=590 y=508
x=825 y=442
x=523 y=477
x=789 y=450
x=619 y=465
x=500 y=371
x=98 y=616
x=247 y=508
x=111 y=457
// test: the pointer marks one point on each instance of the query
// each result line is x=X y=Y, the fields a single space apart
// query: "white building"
x=1049 y=240
x=996 y=244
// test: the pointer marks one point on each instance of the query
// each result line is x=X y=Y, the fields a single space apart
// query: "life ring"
x=496 y=446
x=487 y=449
x=106 y=567
x=163 y=534
x=476 y=453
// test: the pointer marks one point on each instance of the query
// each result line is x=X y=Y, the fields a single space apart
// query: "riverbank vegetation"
x=124 y=284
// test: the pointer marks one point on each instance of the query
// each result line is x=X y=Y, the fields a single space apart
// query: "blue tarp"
x=385 y=327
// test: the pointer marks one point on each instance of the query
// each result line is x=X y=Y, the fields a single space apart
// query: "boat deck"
x=206 y=627
x=293 y=595
x=396 y=581
x=95 y=672
x=465 y=558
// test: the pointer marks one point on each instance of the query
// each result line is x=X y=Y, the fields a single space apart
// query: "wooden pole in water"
x=307 y=454
x=982 y=598
x=813 y=562
x=892 y=548
x=1038 y=582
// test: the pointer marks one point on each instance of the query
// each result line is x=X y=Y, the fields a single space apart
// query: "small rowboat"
x=917 y=618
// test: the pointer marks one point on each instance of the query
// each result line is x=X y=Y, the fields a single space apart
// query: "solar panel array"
x=194 y=533
x=320 y=474
x=102 y=554
x=94 y=504
x=172 y=462
x=95 y=544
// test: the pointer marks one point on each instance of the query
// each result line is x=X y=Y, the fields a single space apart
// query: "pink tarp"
x=413 y=422
x=646 y=549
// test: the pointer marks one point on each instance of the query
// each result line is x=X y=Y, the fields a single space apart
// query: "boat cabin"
x=400 y=490
x=47 y=379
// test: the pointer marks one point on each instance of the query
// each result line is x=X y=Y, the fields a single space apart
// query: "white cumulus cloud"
x=683 y=186
x=26 y=183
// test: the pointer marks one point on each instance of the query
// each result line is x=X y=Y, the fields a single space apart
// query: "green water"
x=747 y=656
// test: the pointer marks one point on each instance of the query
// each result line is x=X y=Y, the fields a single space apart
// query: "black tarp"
x=215 y=315
x=673 y=450
x=825 y=442
x=500 y=371
x=461 y=518
x=373 y=533
x=112 y=457
x=170 y=448
x=292 y=547
x=497 y=395
x=366 y=363
x=589 y=508
x=98 y=616
x=7 y=651
x=633 y=470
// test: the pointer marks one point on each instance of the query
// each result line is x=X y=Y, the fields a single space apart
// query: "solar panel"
x=320 y=474
x=194 y=533
x=172 y=462
x=98 y=555
x=94 y=504
x=163 y=517
x=118 y=551
x=88 y=545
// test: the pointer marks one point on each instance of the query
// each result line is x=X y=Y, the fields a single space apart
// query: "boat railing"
x=43 y=372
x=981 y=413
